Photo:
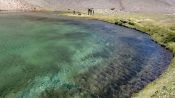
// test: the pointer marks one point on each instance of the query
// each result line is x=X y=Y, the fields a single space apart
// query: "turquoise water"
x=47 y=56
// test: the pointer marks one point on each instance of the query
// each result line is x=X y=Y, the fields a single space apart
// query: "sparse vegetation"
x=161 y=31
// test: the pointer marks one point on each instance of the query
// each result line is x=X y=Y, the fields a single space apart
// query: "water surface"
x=49 y=56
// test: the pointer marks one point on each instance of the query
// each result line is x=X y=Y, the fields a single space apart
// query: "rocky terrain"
x=165 y=6
x=16 y=5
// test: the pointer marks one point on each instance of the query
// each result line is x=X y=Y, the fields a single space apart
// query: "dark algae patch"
x=46 y=56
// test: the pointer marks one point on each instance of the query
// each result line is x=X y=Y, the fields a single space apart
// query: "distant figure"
x=73 y=12
x=91 y=11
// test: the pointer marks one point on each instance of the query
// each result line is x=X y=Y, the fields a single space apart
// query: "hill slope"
x=126 y=5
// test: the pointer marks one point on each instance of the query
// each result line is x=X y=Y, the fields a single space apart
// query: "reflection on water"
x=45 y=56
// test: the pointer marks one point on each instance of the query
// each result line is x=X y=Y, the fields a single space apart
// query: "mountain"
x=166 y=6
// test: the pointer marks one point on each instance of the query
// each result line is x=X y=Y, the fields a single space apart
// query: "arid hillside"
x=166 y=6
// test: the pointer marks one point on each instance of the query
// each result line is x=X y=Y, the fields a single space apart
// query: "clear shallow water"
x=46 y=56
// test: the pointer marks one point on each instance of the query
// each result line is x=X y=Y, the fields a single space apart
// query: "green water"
x=46 y=56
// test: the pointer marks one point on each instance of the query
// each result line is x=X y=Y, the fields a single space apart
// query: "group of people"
x=90 y=11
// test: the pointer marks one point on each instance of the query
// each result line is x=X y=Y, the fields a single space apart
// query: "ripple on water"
x=46 y=56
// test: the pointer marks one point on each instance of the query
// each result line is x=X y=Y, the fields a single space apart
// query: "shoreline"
x=150 y=90
x=162 y=45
